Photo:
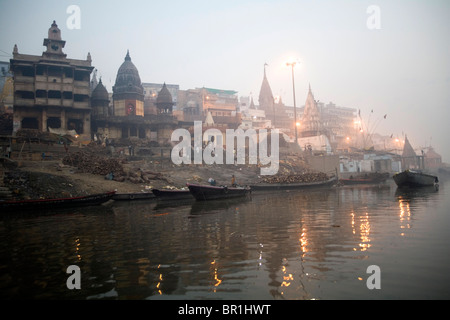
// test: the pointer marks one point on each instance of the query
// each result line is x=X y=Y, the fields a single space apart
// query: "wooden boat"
x=172 y=194
x=49 y=204
x=133 y=196
x=370 y=179
x=410 y=178
x=204 y=192
x=291 y=186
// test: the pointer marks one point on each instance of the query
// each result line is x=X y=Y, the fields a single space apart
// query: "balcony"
x=67 y=103
x=81 y=105
x=41 y=86
x=24 y=87
x=41 y=101
x=41 y=78
x=19 y=78
x=54 y=102
x=23 y=102
x=81 y=90
x=81 y=84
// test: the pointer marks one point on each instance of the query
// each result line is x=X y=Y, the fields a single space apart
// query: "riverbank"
x=95 y=173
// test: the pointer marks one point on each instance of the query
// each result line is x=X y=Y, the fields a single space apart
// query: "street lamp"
x=292 y=64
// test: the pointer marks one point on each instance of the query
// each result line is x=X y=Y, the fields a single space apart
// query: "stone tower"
x=54 y=43
x=164 y=101
x=100 y=101
x=310 y=124
x=266 y=100
x=128 y=93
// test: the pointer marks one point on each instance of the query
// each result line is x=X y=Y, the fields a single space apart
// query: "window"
x=54 y=72
x=29 y=123
x=68 y=73
x=81 y=76
x=28 y=71
x=75 y=124
x=67 y=95
x=40 y=70
x=52 y=94
x=53 y=123
x=80 y=98
x=41 y=94
x=24 y=94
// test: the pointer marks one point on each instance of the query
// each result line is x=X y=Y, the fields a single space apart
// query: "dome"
x=100 y=92
x=128 y=80
x=164 y=96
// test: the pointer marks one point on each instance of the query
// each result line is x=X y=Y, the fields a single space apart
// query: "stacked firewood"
x=88 y=162
x=297 y=178
x=113 y=169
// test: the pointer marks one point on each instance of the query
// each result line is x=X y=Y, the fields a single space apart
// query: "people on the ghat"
x=233 y=181
x=212 y=181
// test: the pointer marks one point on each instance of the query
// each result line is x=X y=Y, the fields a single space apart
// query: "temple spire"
x=127 y=57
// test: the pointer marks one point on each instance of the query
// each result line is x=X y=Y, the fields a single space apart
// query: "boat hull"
x=46 y=204
x=378 y=178
x=162 y=194
x=133 y=196
x=201 y=192
x=291 y=186
x=410 y=178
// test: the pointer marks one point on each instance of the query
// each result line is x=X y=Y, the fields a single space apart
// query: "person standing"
x=233 y=181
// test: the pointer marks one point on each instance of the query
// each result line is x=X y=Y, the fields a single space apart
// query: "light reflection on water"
x=314 y=244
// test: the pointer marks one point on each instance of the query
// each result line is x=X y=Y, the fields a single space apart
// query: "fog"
x=391 y=57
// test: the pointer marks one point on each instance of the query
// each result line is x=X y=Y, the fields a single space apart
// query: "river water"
x=314 y=244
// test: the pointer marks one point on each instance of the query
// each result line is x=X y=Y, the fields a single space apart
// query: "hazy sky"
x=394 y=61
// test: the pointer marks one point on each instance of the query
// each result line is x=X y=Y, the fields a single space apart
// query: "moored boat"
x=289 y=186
x=45 y=204
x=172 y=194
x=204 y=192
x=133 y=196
x=369 y=179
x=410 y=178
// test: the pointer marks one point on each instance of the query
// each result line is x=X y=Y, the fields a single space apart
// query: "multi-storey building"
x=220 y=104
x=339 y=124
x=51 y=91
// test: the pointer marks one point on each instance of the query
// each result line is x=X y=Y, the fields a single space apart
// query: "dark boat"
x=172 y=194
x=203 y=192
x=291 y=186
x=133 y=196
x=410 y=178
x=370 y=179
x=44 y=204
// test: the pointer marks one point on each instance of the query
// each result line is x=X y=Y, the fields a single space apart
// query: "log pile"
x=88 y=162
x=297 y=178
